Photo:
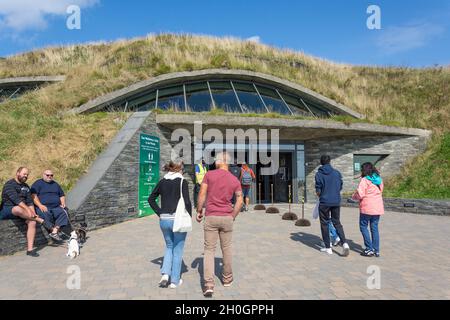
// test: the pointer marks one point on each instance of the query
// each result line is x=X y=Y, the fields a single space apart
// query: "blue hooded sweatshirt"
x=329 y=185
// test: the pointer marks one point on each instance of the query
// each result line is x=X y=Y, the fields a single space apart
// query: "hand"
x=43 y=208
x=199 y=217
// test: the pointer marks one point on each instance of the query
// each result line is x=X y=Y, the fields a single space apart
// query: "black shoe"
x=55 y=237
x=367 y=253
x=32 y=253
x=376 y=254
x=63 y=236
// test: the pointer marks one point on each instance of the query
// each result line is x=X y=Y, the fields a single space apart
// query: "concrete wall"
x=341 y=150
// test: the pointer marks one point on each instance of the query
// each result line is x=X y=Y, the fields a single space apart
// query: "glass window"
x=249 y=98
x=316 y=109
x=224 y=97
x=198 y=97
x=273 y=100
x=171 y=98
x=296 y=105
x=359 y=159
x=143 y=103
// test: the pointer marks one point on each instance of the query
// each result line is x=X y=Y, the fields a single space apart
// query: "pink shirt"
x=221 y=187
x=370 y=197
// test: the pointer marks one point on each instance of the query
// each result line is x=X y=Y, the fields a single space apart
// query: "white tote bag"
x=183 y=221
x=316 y=210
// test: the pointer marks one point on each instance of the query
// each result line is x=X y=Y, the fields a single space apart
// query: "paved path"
x=273 y=259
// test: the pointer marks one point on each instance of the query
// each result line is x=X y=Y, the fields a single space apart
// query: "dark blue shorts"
x=6 y=213
x=246 y=192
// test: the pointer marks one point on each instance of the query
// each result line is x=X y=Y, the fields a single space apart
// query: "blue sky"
x=413 y=33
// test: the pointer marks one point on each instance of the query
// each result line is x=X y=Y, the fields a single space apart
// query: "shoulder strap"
x=181 y=189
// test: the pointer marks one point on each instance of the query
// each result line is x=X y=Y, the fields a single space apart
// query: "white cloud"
x=405 y=38
x=20 y=15
x=256 y=39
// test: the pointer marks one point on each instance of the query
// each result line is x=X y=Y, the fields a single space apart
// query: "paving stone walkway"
x=273 y=259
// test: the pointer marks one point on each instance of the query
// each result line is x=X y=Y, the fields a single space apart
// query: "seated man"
x=17 y=203
x=50 y=202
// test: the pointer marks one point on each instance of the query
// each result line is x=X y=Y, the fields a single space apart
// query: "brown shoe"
x=227 y=283
x=208 y=291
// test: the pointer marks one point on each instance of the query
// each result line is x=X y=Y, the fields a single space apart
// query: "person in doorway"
x=370 y=196
x=235 y=170
x=247 y=178
x=200 y=171
x=328 y=182
x=169 y=190
x=217 y=189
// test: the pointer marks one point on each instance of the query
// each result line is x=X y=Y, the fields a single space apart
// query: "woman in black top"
x=169 y=190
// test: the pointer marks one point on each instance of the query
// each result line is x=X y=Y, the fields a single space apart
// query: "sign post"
x=149 y=148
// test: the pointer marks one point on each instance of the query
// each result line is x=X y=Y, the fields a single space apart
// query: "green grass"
x=427 y=176
x=394 y=96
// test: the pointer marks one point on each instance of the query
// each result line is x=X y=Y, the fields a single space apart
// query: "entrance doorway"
x=280 y=181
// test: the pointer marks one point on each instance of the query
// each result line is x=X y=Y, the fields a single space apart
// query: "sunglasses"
x=49 y=175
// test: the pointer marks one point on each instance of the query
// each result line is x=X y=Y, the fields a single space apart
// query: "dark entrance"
x=281 y=180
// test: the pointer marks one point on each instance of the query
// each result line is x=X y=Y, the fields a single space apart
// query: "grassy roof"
x=33 y=131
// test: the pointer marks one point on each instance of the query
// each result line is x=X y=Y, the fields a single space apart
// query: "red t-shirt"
x=221 y=187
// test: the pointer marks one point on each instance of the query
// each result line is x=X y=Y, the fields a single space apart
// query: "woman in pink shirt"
x=369 y=195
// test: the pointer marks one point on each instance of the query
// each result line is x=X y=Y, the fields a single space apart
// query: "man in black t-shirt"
x=17 y=203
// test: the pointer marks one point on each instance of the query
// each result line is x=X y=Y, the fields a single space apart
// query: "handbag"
x=182 y=221
x=315 y=212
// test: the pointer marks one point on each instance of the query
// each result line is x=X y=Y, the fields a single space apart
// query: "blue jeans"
x=374 y=242
x=173 y=257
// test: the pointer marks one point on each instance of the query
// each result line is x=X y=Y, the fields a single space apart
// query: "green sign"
x=148 y=171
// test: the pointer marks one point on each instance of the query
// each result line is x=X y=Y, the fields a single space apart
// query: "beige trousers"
x=222 y=228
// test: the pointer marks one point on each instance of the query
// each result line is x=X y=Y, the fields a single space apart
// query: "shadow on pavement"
x=198 y=264
x=159 y=261
x=315 y=242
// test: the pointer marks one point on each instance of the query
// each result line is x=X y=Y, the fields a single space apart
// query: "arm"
x=187 y=200
x=62 y=197
x=38 y=203
x=152 y=199
x=63 y=201
x=239 y=203
x=318 y=185
x=360 y=192
x=201 y=201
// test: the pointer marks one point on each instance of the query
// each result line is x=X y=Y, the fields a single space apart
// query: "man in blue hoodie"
x=328 y=189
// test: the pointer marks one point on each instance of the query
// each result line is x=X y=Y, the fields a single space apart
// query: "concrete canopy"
x=290 y=129
x=29 y=81
x=122 y=95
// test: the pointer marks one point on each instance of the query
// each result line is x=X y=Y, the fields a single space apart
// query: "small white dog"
x=74 y=248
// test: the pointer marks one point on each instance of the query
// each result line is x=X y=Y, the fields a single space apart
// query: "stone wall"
x=341 y=150
x=420 y=206
x=115 y=197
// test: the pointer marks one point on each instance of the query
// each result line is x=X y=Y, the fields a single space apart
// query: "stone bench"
x=13 y=236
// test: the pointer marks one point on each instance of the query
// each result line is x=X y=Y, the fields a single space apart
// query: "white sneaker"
x=164 y=280
x=346 y=251
x=174 y=286
x=336 y=242
x=327 y=250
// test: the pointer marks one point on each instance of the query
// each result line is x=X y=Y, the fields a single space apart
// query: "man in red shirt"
x=217 y=189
